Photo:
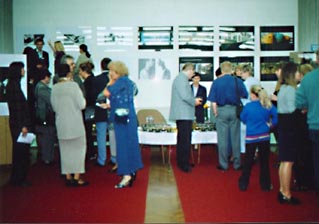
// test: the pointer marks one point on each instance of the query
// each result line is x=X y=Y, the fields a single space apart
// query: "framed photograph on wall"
x=196 y=38
x=277 y=38
x=203 y=65
x=268 y=67
x=155 y=37
x=236 y=38
x=238 y=61
x=114 y=38
x=28 y=39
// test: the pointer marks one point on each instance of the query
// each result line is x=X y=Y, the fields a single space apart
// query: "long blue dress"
x=128 y=154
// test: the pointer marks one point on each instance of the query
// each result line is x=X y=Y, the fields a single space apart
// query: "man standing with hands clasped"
x=183 y=112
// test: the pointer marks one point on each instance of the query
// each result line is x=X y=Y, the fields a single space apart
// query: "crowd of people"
x=59 y=115
x=79 y=100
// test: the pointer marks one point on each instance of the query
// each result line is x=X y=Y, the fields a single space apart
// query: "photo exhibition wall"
x=155 y=38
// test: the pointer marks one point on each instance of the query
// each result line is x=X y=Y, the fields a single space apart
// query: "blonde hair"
x=118 y=67
x=305 y=68
x=262 y=94
x=226 y=67
x=58 y=46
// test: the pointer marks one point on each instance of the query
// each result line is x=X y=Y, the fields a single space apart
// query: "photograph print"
x=29 y=39
x=268 y=67
x=236 y=38
x=277 y=38
x=203 y=65
x=155 y=38
x=196 y=38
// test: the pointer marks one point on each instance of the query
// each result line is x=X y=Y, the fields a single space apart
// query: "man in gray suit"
x=183 y=112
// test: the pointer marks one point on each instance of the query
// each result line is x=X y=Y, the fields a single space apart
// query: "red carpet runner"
x=49 y=200
x=209 y=195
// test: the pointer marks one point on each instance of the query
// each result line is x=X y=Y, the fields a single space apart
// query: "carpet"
x=49 y=200
x=210 y=195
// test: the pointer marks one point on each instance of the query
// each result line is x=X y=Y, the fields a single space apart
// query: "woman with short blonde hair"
x=120 y=91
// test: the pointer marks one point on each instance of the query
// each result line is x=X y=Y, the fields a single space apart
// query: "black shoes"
x=269 y=188
x=76 y=183
x=186 y=169
x=22 y=184
x=134 y=176
x=284 y=200
x=219 y=167
x=238 y=168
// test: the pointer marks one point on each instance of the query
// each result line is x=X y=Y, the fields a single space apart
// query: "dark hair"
x=218 y=72
x=84 y=48
x=196 y=74
x=43 y=73
x=63 y=70
x=15 y=70
x=87 y=67
x=38 y=40
x=105 y=62
x=288 y=74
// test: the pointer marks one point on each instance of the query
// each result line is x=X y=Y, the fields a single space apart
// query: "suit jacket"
x=68 y=102
x=182 y=99
x=44 y=60
x=100 y=82
x=199 y=110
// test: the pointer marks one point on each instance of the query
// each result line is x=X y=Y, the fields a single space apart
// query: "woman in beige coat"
x=68 y=102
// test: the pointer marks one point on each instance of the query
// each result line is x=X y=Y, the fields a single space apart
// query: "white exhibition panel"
x=53 y=18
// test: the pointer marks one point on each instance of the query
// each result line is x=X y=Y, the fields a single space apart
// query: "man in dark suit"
x=199 y=91
x=101 y=118
x=40 y=60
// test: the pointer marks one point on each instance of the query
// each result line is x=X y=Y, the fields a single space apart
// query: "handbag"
x=239 y=106
x=89 y=113
x=121 y=115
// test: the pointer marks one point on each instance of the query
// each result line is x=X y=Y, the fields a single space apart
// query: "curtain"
x=6 y=27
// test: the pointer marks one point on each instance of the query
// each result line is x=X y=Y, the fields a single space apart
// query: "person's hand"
x=273 y=97
x=198 y=101
x=304 y=111
x=104 y=105
x=24 y=131
x=111 y=82
x=106 y=93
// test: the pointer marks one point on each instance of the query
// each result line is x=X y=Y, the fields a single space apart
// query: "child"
x=259 y=115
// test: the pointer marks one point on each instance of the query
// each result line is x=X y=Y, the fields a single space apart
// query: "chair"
x=158 y=118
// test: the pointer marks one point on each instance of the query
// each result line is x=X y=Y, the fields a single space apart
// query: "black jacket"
x=100 y=82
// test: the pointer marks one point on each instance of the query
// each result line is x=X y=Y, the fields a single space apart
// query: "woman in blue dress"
x=120 y=91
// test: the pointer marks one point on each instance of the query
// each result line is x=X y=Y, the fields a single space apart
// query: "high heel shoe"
x=291 y=201
x=134 y=175
x=123 y=184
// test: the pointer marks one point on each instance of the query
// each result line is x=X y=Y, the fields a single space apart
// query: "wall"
x=46 y=16
x=308 y=24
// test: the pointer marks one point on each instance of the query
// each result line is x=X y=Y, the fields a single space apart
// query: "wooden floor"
x=162 y=201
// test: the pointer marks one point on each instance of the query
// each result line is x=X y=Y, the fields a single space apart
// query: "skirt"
x=287 y=137
x=72 y=152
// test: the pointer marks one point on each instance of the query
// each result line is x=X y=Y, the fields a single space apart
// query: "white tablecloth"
x=170 y=138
